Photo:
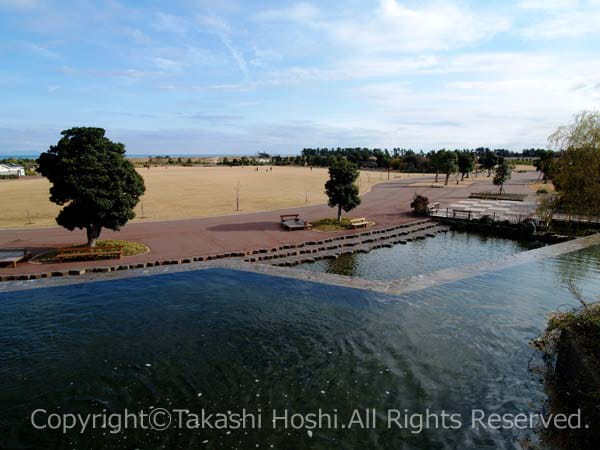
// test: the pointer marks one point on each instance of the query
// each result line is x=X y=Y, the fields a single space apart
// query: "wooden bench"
x=109 y=252
x=360 y=222
x=293 y=222
x=434 y=207
x=12 y=256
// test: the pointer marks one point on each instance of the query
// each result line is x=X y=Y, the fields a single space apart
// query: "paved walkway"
x=387 y=204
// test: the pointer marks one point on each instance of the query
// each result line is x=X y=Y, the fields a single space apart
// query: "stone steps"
x=289 y=254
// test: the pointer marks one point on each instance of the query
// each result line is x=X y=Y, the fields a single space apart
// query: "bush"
x=541 y=191
x=419 y=205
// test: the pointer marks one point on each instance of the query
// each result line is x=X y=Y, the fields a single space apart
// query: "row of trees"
x=407 y=159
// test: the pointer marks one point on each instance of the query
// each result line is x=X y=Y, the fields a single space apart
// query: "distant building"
x=12 y=169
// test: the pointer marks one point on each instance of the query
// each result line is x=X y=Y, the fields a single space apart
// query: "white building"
x=12 y=169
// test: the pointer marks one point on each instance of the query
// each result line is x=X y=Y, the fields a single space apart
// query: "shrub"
x=419 y=205
x=541 y=191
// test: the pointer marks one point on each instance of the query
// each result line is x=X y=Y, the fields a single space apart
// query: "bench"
x=360 y=222
x=108 y=252
x=434 y=207
x=293 y=222
x=12 y=256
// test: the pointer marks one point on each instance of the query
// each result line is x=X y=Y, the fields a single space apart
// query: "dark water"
x=225 y=340
x=452 y=249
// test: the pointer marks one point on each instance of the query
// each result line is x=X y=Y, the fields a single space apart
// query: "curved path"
x=388 y=203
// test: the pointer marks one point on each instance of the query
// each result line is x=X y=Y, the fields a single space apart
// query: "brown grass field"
x=177 y=192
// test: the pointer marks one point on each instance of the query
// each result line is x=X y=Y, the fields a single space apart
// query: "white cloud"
x=355 y=68
x=565 y=25
x=563 y=19
x=223 y=32
x=299 y=12
x=169 y=23
x=547 y=5
x=513 y=106
x=137 y=35
x=434 y=26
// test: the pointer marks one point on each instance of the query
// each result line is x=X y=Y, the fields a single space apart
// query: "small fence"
x=469 y=215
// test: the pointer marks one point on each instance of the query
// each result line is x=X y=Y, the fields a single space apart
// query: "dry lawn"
x=185 y=192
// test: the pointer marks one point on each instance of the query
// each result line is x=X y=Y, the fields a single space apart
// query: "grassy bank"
x=129 y=249
x=571 y=345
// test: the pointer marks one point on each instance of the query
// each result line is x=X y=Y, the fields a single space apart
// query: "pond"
x=451 y=249
x=220 y=340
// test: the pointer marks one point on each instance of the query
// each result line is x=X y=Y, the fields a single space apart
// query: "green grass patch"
x=331 y=224
x=129 y=249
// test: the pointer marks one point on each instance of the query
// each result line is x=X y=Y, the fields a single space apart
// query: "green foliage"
x=576 y=172
x=545 y=164
x=503 y=173
x=92 y=179
x=129 y=249
x=488 y=161
x=576 y=179
x=341 y=187
x=584 y=131
x=466 y=162
x=330 y=224
x=447 y=163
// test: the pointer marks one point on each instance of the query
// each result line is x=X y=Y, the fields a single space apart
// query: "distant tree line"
x=401 y=158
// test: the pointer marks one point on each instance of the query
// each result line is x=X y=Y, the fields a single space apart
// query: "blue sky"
x=195 y=76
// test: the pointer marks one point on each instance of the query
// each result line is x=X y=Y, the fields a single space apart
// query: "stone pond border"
x=394 y=287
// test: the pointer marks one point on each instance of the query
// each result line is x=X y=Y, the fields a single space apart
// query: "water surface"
x=451 y=249
x=227 y=340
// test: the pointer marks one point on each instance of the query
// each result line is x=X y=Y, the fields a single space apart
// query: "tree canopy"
x=341 y=187
x=576 y=172
x=447 y=163
x=92 y=179
x=545 y=163
x=488 y=161
x=466 y=163
x=503 y=173
x=584 y=131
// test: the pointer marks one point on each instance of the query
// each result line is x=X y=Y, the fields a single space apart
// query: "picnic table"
x=293 y=222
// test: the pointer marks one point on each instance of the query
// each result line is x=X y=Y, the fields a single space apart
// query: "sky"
x=239 y=77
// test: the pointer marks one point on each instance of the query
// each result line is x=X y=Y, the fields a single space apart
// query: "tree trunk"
x=447 y=178
x=93 y=233
x=436 y=175
x=462 y=176
x=339 y=213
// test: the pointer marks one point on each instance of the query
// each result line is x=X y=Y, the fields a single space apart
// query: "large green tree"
x=341 y=187
x=94 y=182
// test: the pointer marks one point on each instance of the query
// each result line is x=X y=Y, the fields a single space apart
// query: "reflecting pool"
x=451 y=249
x=223 y=340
